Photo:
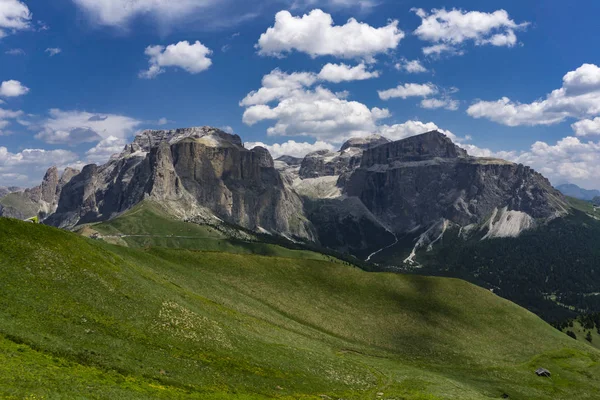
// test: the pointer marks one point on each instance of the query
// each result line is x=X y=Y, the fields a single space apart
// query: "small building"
x=543 y=372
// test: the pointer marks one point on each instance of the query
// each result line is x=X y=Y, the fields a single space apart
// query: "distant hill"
x=80 y=318
x=577 y=192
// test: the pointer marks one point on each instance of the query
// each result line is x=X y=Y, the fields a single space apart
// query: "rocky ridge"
x=39 y=201
x=356 y=200
x=192 y=172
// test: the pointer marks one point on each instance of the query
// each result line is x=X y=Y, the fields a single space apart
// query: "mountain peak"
x=211 y=137
x=427 y=146
x=365 y=142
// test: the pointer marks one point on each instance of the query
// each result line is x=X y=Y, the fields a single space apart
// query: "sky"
x=519 y=80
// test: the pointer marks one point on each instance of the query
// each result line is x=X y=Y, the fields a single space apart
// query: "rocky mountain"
x=327 y=163
x=414 y=183
x=39 y=201
x=8 y=190
x=572 y=190
x=358 y=200
x=195 y=173
x=373 y=191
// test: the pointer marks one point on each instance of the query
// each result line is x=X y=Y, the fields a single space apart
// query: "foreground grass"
x=84 y=319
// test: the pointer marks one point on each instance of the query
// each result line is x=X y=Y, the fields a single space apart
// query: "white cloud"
x=119 y=12
x=412 y=67
x=227 y=129
x=587 y=127
x=28 y=166
x=277 y=85
x=5 y=116
x=343 y=73
x=439 y=49
x=9 y=114
x=579 y=97
x=14 y=16
x=13 y=88
x=360 y=4
x=292 y=148
x=444 y=102
x=106 y=148
x=411 y=128
x=15 y=52
x=301 y=111
x=408 y=90
x=74 y=127
x=52 y=51
x=447 y=29
x=194 y=58
x=316 y=35
x=569 y=160
x=162 y=121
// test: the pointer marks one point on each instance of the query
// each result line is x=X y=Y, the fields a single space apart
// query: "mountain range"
x=397 y=205
x=569 y=189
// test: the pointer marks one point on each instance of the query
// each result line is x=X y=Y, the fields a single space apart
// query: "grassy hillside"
x=83 y=319
x=147 y=225
x=551 y=270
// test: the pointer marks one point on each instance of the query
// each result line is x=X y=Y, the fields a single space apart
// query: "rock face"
x=193 y=172
x=327 y=163
x=291 y=161
x=8 y=190
x=414 y=183
x=41 y=200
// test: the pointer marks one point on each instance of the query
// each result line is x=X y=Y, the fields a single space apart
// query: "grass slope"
x=84 y=319
x=147 y=225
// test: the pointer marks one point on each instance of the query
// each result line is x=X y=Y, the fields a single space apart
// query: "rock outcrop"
x=326 y=163
x=4 y=190
x=39 y=201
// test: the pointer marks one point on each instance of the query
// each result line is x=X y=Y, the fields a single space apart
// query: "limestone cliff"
x=195 y=171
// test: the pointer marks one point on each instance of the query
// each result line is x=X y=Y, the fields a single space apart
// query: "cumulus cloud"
x=579 y=97
x=5 y=117
x=408 y=90
x=316 y=35
x=28 y=166
x=15 y=52
x=360 y=4
x=587 y=127
x=52 y=51
x=342 y=73
x=13 y=88
x=105 y=149
x=119 y=12
x=193 y=58
x=277 y=85
x=412 y=128
x=75 y=127
x=292 y=148
x=449 y=29
x=14 y=16
x=444 y=102
x=303 y=111
x=412 y=66
x=568 y=160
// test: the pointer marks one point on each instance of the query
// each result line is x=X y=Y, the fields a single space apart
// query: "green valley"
x=80 y=318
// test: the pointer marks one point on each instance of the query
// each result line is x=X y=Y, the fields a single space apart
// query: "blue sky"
x=76 y=86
